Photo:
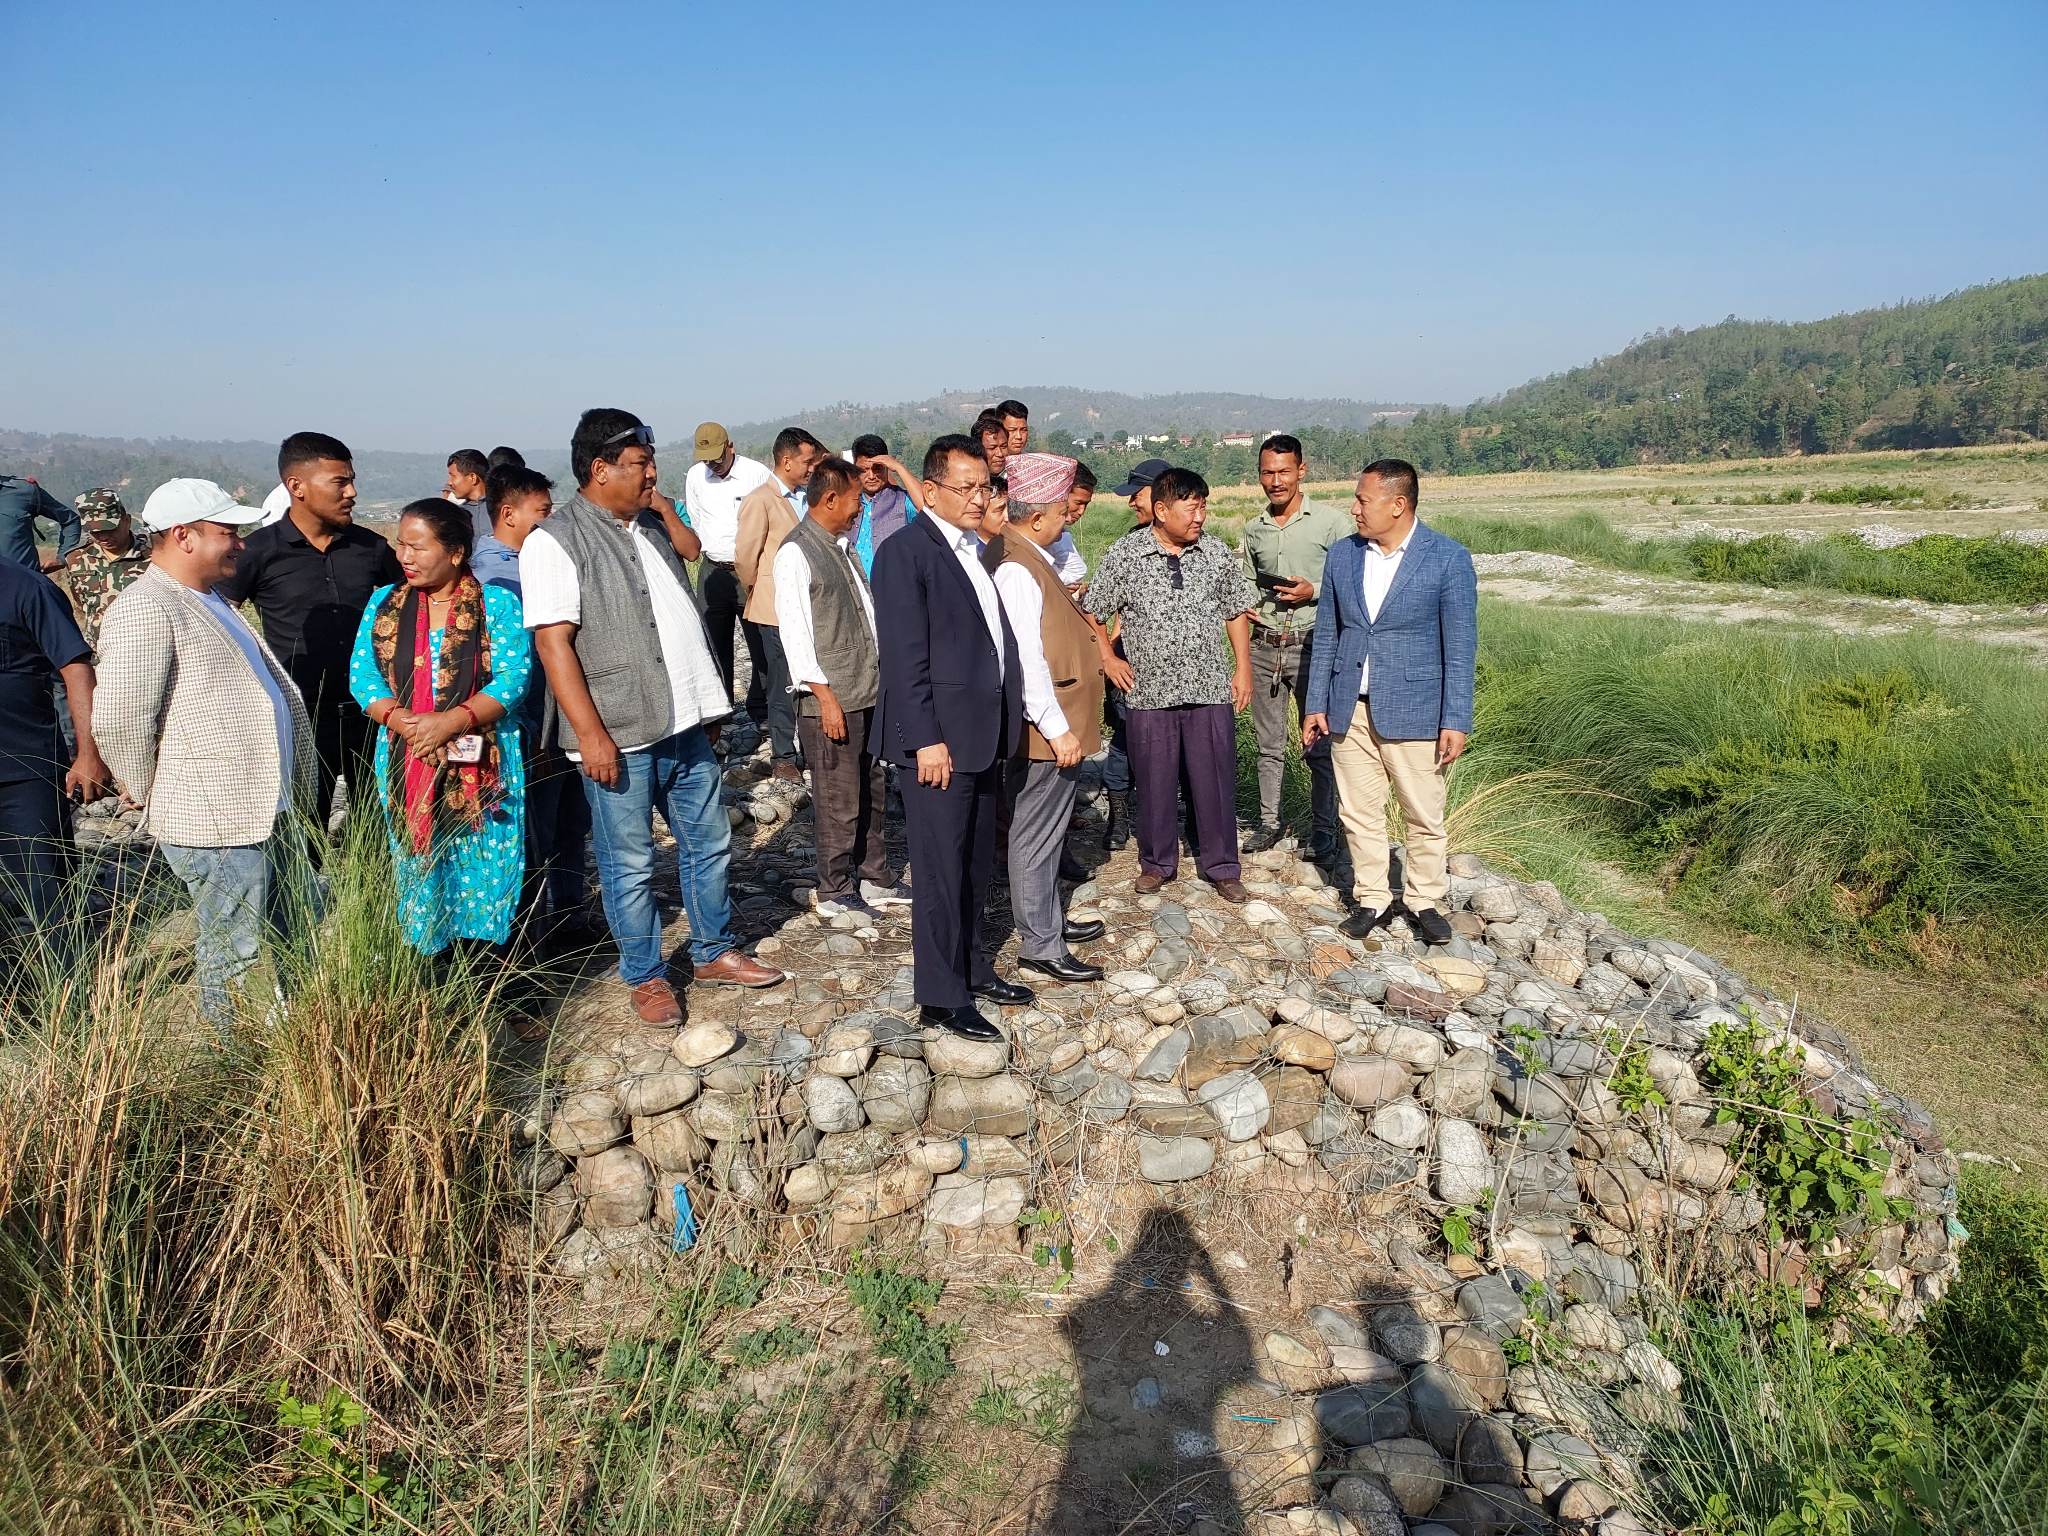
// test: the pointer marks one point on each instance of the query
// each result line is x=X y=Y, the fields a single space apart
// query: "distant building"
x=1080 y=442
x=1157 y=437
x=1236 y=440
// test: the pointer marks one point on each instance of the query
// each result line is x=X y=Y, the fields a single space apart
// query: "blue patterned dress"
x=467 y=887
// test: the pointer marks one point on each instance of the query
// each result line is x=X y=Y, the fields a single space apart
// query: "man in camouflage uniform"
x=111 y=557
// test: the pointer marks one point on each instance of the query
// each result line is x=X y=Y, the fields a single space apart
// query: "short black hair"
x=1015 y=408
x=788 y=440
x=869 y=445
x=1084 y=477
x=600 y=437
x=1178 y=485
x=509 y=480
x=828 y=475
x=469 y=461
x=1399 y=477
x=1282 y=442
x=501 y=456
x=999 y=485
x=451 y=522
x=987 y=422
x=309 y=448
x=947 y=448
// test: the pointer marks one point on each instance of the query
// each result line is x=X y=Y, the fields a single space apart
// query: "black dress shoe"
x=1066 y=968
x=1434 y=927
x=1007 y=993
x=1073 y=871
x=967 y=1023
x=1361 y=922
x=1083 y=933
x=1259 y=839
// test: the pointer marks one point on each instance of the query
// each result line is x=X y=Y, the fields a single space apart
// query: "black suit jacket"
x=940 y=680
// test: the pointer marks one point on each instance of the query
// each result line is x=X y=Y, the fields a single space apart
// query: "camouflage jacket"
x=97 y=578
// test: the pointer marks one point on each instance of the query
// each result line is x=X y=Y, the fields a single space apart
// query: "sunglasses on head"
x=642 y=435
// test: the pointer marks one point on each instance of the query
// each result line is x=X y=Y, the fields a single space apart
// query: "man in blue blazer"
x=1390 y=683
x=950 y=714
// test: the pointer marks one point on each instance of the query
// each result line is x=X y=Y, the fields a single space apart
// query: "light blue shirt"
x=495 y=563
x=233 y=623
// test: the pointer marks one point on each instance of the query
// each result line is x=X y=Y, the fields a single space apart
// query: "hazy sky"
x=428 y=224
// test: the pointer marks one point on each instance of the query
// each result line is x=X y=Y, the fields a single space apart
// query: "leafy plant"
x=894 y=1305
x=759 y=1346
x=334 y=1487
x=1456 y=1226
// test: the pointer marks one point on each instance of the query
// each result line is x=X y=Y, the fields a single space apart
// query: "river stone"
x=1648 y=1364
x=1442 y=1405
x=1366 y=1082
x=1238 y=1101
x=1163 y=1061
x=700 y=1044
x=1295 y=1095
x=1169 y=1160
x=1404 y=1334
x=655 y=1082
x=1176 y=1119
x=1495 y=900
x=722 y=1116
x=670 y=1141
x=846 y=1049
x=851 y=1152
x=989 y=1156
x=1459 y=1086
x=1300 y=1047
x=1491 y=1303
x=1330 y=1121
x=1458 y=976
x=1486 y=1509
x=1488 y=1452
x=1420 y=1002
x=1580 y=1502
x=585 y=1123
x=1363 y=1414
x=1421 y=1049
x=896 y=1092
x=949 y=1055
x=962 y=1200
x=1214 y=1049
x=830 y=1103
x=1554 y=1458
x=1401 y=1123
x=1478 y=1360
x=1107 y=1101
x=991 y=1106
x=1464 y=1169
x=1412 y=1469
x=1591 y=1326
x=1338 y=1330
x=618 y=1187
x=879 y=1195
x=1371 y=1504
x=936 y=1156
x=807 y=1184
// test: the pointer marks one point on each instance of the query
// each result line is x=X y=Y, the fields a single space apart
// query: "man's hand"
x=1450 y=746
x=601 y=760
x=935 y=765
x=88 y=778
x=1118 y=671
x=1241 y=689
x=1066 y=749
x=1313 y=729
x=1293 y=591
x=831 y=718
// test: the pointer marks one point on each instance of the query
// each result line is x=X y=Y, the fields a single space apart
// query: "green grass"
x=1936 y=568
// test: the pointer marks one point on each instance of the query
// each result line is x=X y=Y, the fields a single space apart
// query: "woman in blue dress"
x=441 y=662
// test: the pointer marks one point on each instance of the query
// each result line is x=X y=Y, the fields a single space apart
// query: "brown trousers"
x=1366 y=765
x=849 y=791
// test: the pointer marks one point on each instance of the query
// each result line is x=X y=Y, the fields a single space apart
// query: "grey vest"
x=845 y=643
x=616 y=639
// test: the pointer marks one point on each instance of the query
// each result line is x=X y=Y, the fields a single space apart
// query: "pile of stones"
x=1256 y=1048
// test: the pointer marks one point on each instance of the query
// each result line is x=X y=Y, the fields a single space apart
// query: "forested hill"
x=1968 y=368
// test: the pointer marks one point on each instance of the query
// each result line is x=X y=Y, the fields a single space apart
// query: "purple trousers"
x=1203 y=737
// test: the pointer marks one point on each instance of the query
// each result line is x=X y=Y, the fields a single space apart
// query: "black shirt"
x=311 y=600
x=37 y=636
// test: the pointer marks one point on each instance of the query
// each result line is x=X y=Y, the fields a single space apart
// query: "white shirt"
x=238 y=631
x=1377 y=578
x=1067 y=561
x=967 y=547
x=713 y=502
x=551 y=594
x=793 y=610
x=1025 y=604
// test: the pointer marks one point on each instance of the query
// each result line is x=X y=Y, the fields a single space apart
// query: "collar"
x=1300 y=512
x=1399 y=549
x=1043 y=554
x=1154 y=547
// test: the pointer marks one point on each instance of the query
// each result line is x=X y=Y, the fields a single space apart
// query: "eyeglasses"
x=642 y=434
x=980 y=492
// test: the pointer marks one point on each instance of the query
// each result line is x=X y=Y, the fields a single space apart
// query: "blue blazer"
x=940 y=679
x=1422 y=648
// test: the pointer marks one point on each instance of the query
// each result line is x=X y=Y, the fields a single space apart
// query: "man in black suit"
x=951 y=708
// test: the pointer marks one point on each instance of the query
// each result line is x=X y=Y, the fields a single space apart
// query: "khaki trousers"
x=1366 y=764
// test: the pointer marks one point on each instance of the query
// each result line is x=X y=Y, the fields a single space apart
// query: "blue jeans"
x=680 y=775
x=243 y=896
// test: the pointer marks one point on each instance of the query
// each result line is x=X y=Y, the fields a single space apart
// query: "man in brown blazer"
x=201 y=723
x=767 y=515
x=1062 y=666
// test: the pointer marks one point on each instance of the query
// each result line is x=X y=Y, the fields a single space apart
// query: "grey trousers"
x=1042 y=804
x=1279 y=697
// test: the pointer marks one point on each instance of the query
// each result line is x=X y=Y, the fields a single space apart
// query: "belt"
x=1282 y=637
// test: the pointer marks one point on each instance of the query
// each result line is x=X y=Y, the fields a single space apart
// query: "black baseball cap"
x=1143 y=473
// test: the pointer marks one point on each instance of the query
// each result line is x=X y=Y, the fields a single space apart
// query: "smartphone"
x=466 y=749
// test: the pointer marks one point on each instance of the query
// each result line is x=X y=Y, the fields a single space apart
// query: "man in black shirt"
x=39 y=642
x=310 y=576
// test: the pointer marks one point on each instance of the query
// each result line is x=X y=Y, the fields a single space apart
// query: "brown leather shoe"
x=1232 y=891
x=733 y=969
x=1147 y=883
x=787 y=771
x=655 y=1002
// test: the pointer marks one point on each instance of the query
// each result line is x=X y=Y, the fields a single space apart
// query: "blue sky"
x=425 y=225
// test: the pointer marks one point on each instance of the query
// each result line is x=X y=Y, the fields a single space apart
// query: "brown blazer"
x=1071 y=654
x=765 y=521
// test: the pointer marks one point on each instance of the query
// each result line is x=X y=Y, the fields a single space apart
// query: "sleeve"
x=547 y=582
x=56 y=632
x=1106 y=591
x=69 y=529
x=1322 y=651
x=511 y=652
x=1238 y=594
x=137 y=653
x=1458 y=621
x=1025 y=605
x=793 y=615
x=747 y=545
x=365 y=683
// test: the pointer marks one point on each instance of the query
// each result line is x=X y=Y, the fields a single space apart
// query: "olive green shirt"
x=1294 y=552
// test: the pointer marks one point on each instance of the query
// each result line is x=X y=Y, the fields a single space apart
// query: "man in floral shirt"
x=1179 y=593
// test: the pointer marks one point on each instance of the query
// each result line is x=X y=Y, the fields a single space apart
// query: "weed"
x=894 y=1305
x=996 y=1407
x=784 y=1341
x=1456 y=1227
x=333 y=1487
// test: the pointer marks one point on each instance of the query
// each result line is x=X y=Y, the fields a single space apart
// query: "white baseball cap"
x=177 y=502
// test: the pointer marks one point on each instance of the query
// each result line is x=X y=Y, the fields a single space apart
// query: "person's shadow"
x=1142 y=1455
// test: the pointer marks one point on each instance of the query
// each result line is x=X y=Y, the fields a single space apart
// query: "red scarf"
x=439 y=796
